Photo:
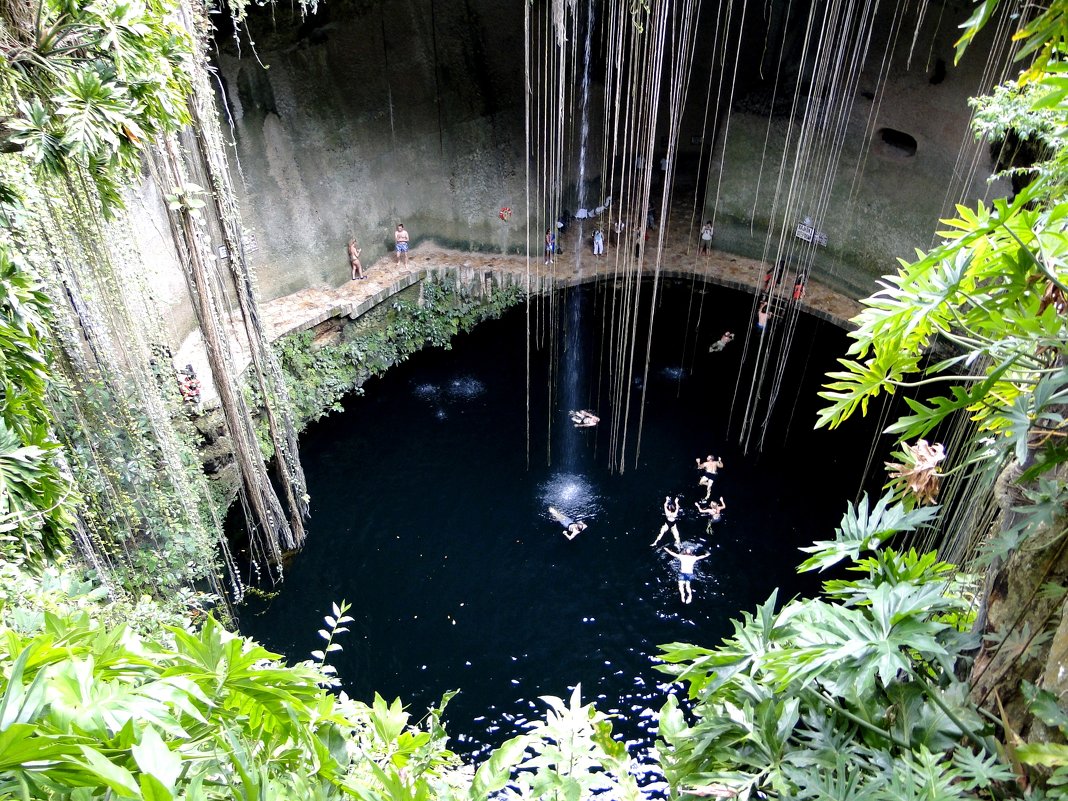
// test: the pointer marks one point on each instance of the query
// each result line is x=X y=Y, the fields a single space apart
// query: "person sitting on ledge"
x=584 y=418
x=572 y=528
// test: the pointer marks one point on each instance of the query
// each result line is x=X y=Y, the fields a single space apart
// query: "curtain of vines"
x=84 y=91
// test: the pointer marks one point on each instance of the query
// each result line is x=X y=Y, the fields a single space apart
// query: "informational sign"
x=807 y=232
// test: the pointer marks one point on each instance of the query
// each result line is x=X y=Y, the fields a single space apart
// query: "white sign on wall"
x=806 y=231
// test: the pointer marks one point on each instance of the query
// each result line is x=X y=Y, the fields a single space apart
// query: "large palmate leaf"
x=863 y=530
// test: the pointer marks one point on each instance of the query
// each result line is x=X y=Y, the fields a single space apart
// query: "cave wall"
x=907 y=156
x=370 y=114
x=366 y=114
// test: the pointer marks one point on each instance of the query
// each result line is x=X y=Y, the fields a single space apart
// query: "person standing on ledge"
x=354 y=260
x=400 y=236
x=707 y=232
x=598 y=242
x=687 y=560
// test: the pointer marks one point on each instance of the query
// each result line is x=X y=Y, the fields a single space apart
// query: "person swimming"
x=713 y=510
x=687 y=560
x=671 y=515
x=583 y=418
x=572 y=528
x=721 y=343
x=711 y=464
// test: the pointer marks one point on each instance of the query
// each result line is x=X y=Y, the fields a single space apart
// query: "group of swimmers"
x=688 y=557
x=706 y=507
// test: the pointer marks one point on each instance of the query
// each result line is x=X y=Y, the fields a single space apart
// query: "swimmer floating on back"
x=583 y=418
x=710 y=464
x=687 y=560
x=572 y=528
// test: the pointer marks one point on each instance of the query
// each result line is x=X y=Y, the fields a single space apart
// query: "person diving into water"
x=572 y=528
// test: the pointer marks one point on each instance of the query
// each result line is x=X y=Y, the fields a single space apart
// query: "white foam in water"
x=426 y=391
x=572 y=494
x=674 y=373
x=466 y=388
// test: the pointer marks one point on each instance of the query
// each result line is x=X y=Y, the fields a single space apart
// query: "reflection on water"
x=454 y=392
x=466 y=388
x=572 y=494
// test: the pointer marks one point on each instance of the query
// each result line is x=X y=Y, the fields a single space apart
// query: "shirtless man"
x=762 y=315
x=584 y=418
x=687 y=560
x=572 y=528
x=354 y=260
x=710 y=465
x=400 y=236
x=671 y=514
x=713 y=510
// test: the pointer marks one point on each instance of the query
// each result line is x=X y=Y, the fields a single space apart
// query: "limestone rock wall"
x=370 y=114
x=906 y=158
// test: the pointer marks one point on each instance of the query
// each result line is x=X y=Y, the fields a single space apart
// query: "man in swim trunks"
x=400 y=236
x=572 y=528
x=687 y=560
x=710 y=464
x=671 y=513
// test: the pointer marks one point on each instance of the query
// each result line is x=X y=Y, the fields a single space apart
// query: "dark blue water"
x=427 y=519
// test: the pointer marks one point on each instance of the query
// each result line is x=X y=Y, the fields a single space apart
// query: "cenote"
x=428 y=519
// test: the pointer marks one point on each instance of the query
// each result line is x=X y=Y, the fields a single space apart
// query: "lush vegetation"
x=319 y=377
x=857 y=694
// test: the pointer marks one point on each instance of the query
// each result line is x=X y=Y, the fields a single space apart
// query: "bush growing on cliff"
x=319 y=378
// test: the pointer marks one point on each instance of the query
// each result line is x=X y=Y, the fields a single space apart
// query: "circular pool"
x=429 y=512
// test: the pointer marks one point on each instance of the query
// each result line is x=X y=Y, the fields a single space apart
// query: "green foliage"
x=1048 y=755
x=848 y=696
x=158 y=538
x=90 y=82
x=318 y=379
x=35 y=497
x=96 y=712
x=861 y=530
x=214 y=716
x=571 y=755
